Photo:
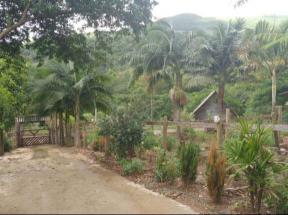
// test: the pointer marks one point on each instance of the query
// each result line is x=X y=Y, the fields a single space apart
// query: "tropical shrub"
x=125 y=130
x=166 y=168
x=171 y=142
x=93 y=140
x=132 y=167
x=250 y=156
x=202 y=135
x=189 y=157
x=215 y=173
x=279 y=201
x=190 y=133
x=150 y=140
x=7 y=145
x=128 y=133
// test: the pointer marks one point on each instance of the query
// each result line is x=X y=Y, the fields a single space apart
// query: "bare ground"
x=50 y=179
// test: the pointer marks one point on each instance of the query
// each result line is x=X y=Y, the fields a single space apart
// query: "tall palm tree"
x=166 y=54
x=65 y=87
x=220 y=55
x=267 y=52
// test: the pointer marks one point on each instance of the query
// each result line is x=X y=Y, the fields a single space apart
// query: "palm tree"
x=65 y=87
x=166 y=54
x=220 y=56
x=266 y=51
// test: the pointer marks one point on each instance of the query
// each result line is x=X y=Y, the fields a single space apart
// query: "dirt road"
x=50 y=179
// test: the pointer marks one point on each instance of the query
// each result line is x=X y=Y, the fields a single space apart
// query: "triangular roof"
x=204 y=101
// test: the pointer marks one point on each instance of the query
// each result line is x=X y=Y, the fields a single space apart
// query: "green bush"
x=126 y=130
x=202 y=135
x=189 y=157
x=171 y=143
x=7 y=145
x=190 y=133
x=166 y=168
x=278 y=202
x=93 y=139
x=132 y=167
x=150 y=140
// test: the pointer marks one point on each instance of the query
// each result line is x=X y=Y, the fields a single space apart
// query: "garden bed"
x=235 y=199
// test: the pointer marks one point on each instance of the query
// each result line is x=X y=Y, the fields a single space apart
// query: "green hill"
x=192 y=22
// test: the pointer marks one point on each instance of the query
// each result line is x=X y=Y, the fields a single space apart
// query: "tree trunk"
x=221 y=92
x=57 y=129
x=274 y=92
x=67 y=132
x=54 y=136
x=151 y=104
x=1 y=142
x=178 y=108
x=1 y=136
x=274 y=110
x=151 y=107
x=77 y=122
x=95 y=115
x=61 y=127
x=21 y=22
x=51 y=129
x=259 y=199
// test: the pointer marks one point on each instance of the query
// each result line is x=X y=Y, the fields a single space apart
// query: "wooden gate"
x=31 y=137
x=39 y=134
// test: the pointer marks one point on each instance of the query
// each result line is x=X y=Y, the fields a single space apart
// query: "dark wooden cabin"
x=208 y=108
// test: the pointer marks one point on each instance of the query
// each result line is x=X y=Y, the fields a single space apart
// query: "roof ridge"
x=204 y=101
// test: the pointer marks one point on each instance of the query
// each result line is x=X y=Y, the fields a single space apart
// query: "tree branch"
x=21 y=22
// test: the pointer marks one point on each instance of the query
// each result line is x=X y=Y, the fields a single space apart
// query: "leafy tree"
x=49 y=22
x=13 y=76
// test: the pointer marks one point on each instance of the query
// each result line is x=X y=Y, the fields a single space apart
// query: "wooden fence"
x=222 y=127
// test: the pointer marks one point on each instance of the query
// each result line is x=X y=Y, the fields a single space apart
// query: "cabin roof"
x=204 y=101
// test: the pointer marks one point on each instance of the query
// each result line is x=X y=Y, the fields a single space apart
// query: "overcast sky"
x=220 y=8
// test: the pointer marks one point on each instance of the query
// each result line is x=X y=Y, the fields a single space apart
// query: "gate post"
x=17 y=131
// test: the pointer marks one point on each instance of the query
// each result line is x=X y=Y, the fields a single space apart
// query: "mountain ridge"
x=194 y=22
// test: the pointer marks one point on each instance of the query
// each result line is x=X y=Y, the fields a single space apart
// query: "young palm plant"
x=249 y=155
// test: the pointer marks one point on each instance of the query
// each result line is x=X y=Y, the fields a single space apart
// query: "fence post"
x=228 y=119
x=165 y=127
x=17 y=129
x=220 y=133
x=279 y=114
